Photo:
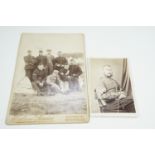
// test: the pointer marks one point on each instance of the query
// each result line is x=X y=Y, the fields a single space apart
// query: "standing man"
x=60 y=61
x=41 y=59
x=30 y=63
x=50 y=61
x=74 y=72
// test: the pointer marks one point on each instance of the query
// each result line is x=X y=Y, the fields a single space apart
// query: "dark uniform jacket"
x=60 y=61
x=30 y=62
x=75 y=70
x=49 y=59
x=39 y=74
x=41 y=59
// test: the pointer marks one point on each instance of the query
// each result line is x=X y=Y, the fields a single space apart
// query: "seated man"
x=74 y=72
x=60 y=61
x=39 y=80
x=109 y=94
x=63 y=74
x=53 y=83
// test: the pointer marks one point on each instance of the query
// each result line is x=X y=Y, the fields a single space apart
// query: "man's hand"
x=58 y=65
x=122 y=95
x=41 y=84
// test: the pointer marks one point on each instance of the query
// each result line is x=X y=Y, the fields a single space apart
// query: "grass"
x=28 y=104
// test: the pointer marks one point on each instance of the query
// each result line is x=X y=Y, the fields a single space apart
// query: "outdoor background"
x=24 y=100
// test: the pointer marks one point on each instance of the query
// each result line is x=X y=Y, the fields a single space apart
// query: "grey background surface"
x=135 y=43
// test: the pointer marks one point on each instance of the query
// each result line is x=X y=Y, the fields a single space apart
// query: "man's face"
x=29 y=52
x=55 y=72
x=60 y=54
x=108 y=71
x=49 y=52
x=73 y=62
x=40 y=53
x=40 y=67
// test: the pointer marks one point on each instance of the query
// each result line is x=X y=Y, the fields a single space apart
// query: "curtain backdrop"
x=126 y=82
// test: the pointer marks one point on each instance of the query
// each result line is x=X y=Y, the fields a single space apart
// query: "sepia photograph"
x=110 y=87
x=50 y=84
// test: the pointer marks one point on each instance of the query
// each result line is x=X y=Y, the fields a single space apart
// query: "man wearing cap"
x=50 y=61
x=41 y=59
x=60 y=61
x=30 y=63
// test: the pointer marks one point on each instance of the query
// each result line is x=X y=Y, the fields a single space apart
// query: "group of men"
x=50 y=75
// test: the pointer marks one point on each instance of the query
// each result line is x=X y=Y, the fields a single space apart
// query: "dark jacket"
x=75 y=70
x=61 y=61
x=30 y=62
x=50 y=59
x=39 y=74
x=41 y=59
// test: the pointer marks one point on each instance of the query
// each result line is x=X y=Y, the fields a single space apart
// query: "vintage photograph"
x=110 y=87
x=50 y=83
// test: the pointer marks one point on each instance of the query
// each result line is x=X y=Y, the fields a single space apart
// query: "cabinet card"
x=49 y=83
